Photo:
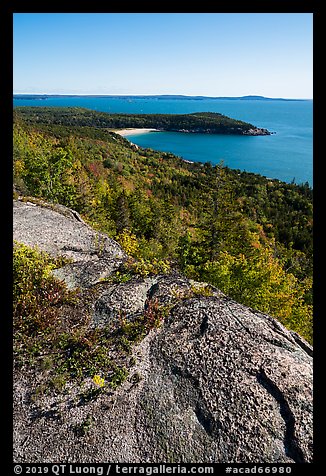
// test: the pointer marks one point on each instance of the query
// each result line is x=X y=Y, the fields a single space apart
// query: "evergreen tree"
x=122 y=213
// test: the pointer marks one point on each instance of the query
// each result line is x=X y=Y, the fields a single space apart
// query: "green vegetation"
x=83 y=428
x=206 y=122
x=247 y=235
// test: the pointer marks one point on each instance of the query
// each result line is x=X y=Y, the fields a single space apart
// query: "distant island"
x=198 y=122
x=158 y=96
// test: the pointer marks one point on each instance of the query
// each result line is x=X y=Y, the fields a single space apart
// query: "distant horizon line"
x=179 y=96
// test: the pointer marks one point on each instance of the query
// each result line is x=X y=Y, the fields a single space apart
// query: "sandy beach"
x=130 y=132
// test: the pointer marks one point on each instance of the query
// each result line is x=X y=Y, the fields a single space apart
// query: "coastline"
x=257 y=131
x=133 y=131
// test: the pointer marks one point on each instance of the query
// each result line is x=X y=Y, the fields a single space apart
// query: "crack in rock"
x=207 y=422
x=291 y=445
x=204 y=325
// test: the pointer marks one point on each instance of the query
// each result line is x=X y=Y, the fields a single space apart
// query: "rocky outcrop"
x=257 y=131
x=252 y=131
x=61 y=231
x=217 y=382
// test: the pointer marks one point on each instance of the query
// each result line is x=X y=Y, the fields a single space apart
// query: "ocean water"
x=286 y=155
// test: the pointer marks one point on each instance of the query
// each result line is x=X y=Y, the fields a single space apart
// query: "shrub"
x=129 y=243
x=35 y=291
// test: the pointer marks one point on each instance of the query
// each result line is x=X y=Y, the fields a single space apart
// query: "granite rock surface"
x=217 y=382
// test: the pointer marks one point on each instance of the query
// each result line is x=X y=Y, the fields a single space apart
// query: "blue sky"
x=209 y=54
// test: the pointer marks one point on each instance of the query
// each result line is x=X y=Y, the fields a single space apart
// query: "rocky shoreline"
x=257 y=132
x=249 y=132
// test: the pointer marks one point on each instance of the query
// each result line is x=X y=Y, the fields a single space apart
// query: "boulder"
x=229 y=385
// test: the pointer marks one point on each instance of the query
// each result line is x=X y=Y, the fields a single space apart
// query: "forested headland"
x=198 y=122
x=248 y=235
